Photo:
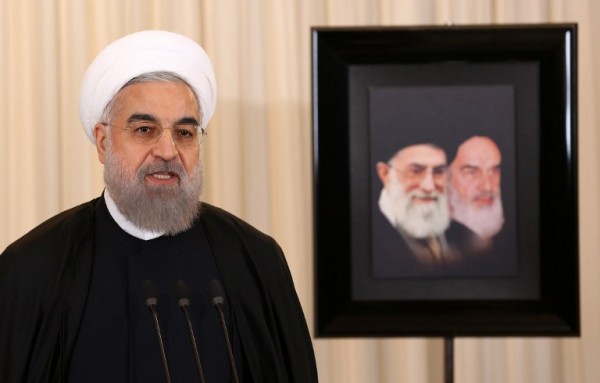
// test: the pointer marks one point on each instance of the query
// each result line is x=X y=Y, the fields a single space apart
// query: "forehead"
x=157 y=98
x=479 y=151
x=420 y=154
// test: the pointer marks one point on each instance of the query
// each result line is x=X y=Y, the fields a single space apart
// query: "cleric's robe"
x=45 y=275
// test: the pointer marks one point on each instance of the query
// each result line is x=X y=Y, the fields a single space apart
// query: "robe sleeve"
x=43 y=279
x=275 y=339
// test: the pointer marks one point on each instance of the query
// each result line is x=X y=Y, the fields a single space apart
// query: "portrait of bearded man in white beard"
x=474 y=189
x=414 y=200
x=417 y=212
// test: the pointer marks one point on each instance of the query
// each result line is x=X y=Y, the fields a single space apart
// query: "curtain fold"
x=257 y=156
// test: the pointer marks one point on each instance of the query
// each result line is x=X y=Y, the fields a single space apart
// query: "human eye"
x=495 y=172
x=416 y=171
x=186 y=131
x=439 y=171
x=470 y=171
x=145 y=128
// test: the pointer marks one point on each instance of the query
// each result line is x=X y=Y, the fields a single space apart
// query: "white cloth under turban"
x=139 y=53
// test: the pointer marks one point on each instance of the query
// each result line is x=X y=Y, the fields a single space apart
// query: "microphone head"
x=215 y=291
x=182 y=294
x=149 y=293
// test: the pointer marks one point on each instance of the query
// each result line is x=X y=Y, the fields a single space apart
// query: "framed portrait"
x=445 y=180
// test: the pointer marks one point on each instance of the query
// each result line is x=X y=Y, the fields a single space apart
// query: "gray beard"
x=486 y=222
x=168 y=209
x=418 y=221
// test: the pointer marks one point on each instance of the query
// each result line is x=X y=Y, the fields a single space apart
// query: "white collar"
x=126 y=224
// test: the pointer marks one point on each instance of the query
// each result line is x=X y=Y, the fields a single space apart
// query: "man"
x=474 y=189
x=75 y=292
x=413 y=200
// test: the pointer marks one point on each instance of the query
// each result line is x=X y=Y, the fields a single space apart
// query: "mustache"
x=434 y=195
x=485 y=195
x=160 y=166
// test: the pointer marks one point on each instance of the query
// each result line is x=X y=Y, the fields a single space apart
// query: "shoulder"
x=222 y=223
x=235 y=242
x=56 y=232
x=457 y=232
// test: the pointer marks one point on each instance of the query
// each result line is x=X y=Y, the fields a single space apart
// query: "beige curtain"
x=258 y=153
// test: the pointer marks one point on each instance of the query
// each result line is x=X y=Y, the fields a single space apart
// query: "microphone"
x=149 y=293
x=217 y=297
x=184 y=303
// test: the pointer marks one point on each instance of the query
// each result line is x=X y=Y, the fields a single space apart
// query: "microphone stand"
x=151 y=302
x=184 y=303
x=216 y=293
x=449 y=359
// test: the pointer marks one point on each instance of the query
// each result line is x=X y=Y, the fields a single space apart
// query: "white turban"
x=139 y=53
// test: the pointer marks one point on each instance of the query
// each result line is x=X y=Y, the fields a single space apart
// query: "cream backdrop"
x=258 y=152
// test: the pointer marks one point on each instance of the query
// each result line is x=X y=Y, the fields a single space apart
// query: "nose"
x=427 y=184
x=486 y=183
x=165 y=148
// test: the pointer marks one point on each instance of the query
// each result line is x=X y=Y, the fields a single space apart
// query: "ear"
x=100 y=134
x=383 y=171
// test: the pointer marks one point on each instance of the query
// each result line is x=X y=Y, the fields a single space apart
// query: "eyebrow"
x=188 y=121
x=141 y=117
x=422 y=165
x=472 y=167
x=148 y=117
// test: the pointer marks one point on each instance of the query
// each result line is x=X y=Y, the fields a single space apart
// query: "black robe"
x=45 y=275
x=392 y=257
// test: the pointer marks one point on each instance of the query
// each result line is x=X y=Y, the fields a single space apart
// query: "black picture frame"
x=517 y=84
